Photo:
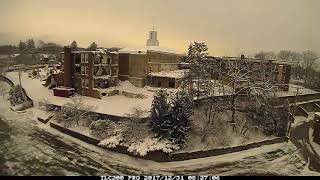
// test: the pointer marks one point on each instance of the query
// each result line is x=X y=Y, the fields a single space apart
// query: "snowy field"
x=114 y=105
x=33 y=148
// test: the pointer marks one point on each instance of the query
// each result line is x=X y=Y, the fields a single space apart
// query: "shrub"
x=102 y=128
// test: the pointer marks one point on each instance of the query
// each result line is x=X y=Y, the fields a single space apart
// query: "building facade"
x=276 y=72
x=89 y=71
x=136 y=65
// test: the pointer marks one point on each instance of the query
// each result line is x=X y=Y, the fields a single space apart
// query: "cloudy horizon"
x=228 y=27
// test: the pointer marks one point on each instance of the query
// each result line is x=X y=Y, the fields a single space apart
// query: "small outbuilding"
x=166 y=79
x=63 y=91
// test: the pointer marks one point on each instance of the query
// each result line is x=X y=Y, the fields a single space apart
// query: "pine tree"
x=198 y=70
x=159 y=112
x=93 y=46
x=22 y=46
x=179 y=123
x=74 y=45
x=31 y=45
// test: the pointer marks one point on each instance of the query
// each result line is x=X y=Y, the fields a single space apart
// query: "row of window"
x=163 y=56
x=84 y=57
x=85 y=70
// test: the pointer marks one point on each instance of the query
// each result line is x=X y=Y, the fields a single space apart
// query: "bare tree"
x=207 y=117
x=135 y=126
x=309 y=63
x=75 y=111
x=249 y=82
x=265 y=55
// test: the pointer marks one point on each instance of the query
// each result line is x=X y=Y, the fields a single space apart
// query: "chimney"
x=242 y=56
x=67 y=66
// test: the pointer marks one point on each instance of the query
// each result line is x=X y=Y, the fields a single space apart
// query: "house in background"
x=276 y=72
x=47 y=58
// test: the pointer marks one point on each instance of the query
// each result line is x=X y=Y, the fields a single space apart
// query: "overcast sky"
x=229 y=27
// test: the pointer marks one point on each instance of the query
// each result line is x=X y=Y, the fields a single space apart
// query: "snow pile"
x=151 y=144
x=112 y=141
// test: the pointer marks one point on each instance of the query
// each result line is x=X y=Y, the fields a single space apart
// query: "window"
x=82 y=70
x=77 y=59
x=85 y=83
x=85 y=70
x=86 y=57
x=171 y=84
x=82 y=58
x=77 y=69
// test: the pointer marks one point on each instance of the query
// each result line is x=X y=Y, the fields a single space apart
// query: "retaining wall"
x=160 y=156
x=101 y=115
x=80 y=136
x=226 y=150
x=291 y=99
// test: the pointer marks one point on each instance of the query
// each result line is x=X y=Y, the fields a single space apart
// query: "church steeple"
x=152 y=41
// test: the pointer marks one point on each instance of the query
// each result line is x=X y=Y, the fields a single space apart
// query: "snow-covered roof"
x=63 y=88
x=97 y=51
x=170 y=74
x=144 y=49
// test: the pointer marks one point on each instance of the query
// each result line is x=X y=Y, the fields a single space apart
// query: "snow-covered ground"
x=293 y=91
x=114 y=105
x=36 y=149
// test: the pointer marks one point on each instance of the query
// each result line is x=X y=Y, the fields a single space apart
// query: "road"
x=300 y=138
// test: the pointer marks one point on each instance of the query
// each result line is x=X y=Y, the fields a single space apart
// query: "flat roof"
x=177 y=74
x=145 y=49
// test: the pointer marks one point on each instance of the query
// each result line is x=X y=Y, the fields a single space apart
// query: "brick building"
x=276 y=72
x=88 y=71
x=135 y=64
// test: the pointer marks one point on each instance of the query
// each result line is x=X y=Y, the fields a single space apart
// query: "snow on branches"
x=170 y=120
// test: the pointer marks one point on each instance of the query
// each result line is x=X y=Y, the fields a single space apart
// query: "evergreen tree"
x=179 y=123
x=74 y=45
x=22 y=46
x=159 y=112
x=199 y=70
x=31 y=44
x=93 y=46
